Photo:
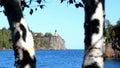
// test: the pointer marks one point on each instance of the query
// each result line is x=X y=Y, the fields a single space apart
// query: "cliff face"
x=54 y=42
x=113 y=51
x=116 y=49
x=109 y=53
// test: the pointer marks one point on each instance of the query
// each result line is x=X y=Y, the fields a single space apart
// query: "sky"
x=66 y=19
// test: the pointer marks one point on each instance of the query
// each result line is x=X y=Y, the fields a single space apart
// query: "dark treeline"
x=112 y=32
x=5 y=39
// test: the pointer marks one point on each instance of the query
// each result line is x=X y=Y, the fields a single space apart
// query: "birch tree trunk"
x=94 y=38
x=22 y=38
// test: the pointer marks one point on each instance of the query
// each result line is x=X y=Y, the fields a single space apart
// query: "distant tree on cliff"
x=108 y=31
x=48 y=34
x=112 y=32
x=116 y=28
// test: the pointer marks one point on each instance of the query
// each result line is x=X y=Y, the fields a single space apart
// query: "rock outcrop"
x=49 y=41
x=56 y=42
x=112 y=51
x=109 y=53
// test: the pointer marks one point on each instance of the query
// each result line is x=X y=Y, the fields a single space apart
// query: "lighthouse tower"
x=55 y=34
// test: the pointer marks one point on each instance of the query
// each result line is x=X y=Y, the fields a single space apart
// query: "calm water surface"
x=53 y=59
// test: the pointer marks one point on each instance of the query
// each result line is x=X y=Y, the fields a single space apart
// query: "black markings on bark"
x=93 y=65
x=90 y=9
x=13 y=10
x=88 y=34
x=91 y=27
x=94 y=26
x=103 y=4
x=24 y=32
x=27 y=59
x=16 y=37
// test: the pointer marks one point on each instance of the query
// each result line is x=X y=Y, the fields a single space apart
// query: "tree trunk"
x=22 y=38
x=94 y=38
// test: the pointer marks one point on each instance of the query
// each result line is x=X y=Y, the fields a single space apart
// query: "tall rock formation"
x=56 y=42
x=49 y=41
x=113 y=51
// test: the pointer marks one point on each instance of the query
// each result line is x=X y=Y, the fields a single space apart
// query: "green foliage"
x=42 y=41
x=117 y=30
x=48 y=34
x=108 y=31
x=5 y=36
x=112 y=32
x=107 y=34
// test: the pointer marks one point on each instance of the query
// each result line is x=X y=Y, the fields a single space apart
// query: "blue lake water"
x=53 y=59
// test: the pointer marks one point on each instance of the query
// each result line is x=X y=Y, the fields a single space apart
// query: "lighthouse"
x=55 y=34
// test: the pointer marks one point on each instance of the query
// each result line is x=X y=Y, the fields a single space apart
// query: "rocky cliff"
x=49 y=41
x=41 y=41
x=112 y=51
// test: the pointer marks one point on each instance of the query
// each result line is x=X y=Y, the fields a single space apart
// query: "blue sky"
x=66 y=19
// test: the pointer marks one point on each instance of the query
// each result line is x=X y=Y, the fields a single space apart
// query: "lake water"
x=53 y=59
